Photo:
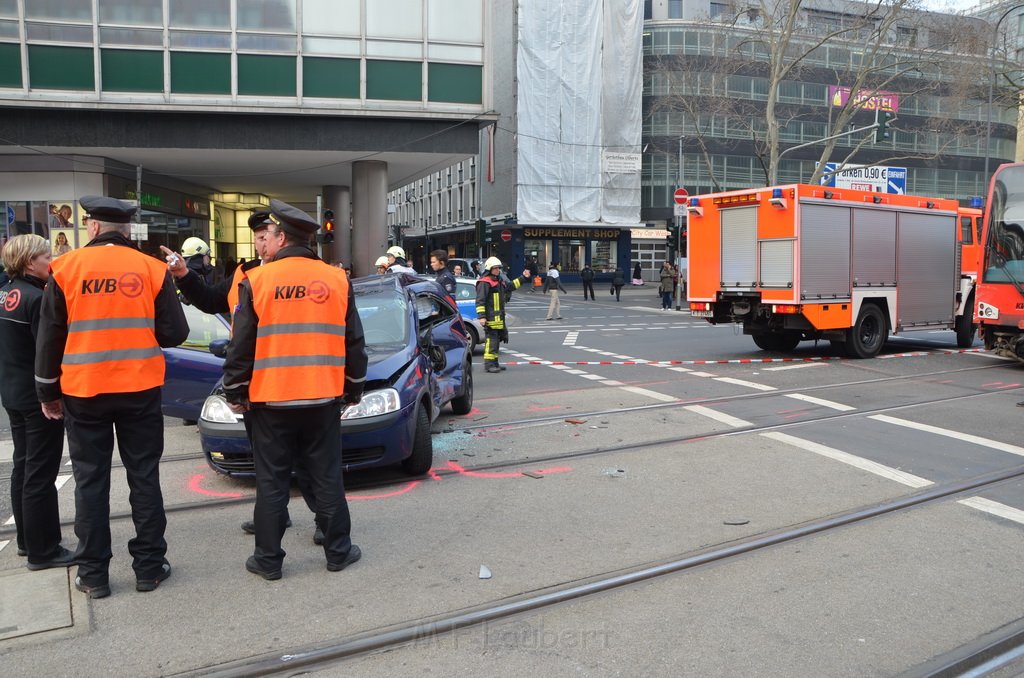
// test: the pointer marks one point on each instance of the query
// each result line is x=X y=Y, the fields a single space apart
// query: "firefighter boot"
x=491 y=366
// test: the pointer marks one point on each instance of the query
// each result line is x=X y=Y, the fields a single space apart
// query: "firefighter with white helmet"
x=397 y=262
x=197 y=258
x=491 y=292
x=381 y=264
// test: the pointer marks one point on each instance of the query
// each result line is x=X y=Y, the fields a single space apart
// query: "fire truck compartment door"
x=824 y=252
x=927 y=269
x=739 y=247
x=777 y=263
x=874 y=248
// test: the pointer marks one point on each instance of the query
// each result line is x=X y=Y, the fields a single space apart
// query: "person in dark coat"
x=618 y=280
x=666 y=286
x=638 y=277
x=38 y=441
x=587 y=276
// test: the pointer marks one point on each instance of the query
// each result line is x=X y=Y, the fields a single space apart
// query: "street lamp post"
x=679 y=225
x=991 y=85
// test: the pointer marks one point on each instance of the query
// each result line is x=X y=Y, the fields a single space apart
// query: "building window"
x=719 y=10
x=675 y=9
x=648 y=9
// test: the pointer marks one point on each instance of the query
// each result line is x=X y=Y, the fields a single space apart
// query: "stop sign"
x=680 y=196
x=506 y=235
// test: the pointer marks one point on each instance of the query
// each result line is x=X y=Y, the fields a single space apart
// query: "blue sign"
x=10 y=215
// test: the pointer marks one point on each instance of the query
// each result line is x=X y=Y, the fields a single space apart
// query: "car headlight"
x=373 y=404
x=216 y=409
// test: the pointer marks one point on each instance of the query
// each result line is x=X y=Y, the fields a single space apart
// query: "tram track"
x=294 y=661
x=632 y=446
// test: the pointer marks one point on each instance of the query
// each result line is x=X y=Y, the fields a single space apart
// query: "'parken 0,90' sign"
x=592 y=233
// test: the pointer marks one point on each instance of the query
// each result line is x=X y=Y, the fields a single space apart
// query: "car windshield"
x=1004 y=253
x=384 y=314
x=203 y=328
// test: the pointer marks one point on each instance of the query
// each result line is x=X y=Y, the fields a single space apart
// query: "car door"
x=446 y=330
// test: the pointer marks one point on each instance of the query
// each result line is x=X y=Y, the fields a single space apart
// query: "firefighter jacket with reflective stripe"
x=491 y=293
x=20 y=300
x=291 y=341
x=106 y=312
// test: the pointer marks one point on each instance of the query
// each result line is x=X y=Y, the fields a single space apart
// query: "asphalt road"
x=628 y=463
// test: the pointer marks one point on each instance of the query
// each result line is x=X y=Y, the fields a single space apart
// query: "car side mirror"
x=219 y=347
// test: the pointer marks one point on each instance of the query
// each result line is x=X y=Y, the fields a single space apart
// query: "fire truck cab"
x=800 y=262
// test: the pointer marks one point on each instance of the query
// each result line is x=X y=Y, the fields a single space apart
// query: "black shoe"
x=249 y=526
x=254 y=567
x=92 y=590
x=354 y=554
x=145 y=585
x=64 y=558
x=22 y=552
x=318 y=537
x=492 y=367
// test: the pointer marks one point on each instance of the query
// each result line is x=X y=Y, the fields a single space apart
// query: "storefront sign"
x=197 y=207
x=867 y=99
x=147 y=199
x=621 y=163
x=583 y=233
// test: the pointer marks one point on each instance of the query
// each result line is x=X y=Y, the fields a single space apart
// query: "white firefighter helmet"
x=193 y=246
x=491 y=263
x=381 y=261
x=397 y=252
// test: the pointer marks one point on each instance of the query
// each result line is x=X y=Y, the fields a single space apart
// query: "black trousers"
x=38 y=448
x=312 y=436
x=92 y=424
x=301 y=476
x=618 y=291
x=588 y=285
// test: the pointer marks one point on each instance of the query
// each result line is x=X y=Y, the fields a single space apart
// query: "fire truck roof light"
x=977 y=202
x=776 y=192
x=694 y=202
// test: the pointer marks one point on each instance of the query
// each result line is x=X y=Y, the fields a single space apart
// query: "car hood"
x=385 y=362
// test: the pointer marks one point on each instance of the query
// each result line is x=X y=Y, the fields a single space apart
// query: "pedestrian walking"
x=552 y=287
x=534 y=271
x=107 y=310
x=491 y=292
x=665 y=287
x=288 y=368
x=587 y=276
x=38 y=441
x=618 y=280
x=637 y=275
x=444 y=277
x=223 y=298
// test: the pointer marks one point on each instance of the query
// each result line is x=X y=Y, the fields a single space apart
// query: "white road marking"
x=702 y=374
x=612 y=382
x=575 y=372
x=592 y=377
x=748 y=384
x=650 y=394
x=850 y=459
x=4 y=544
x=956 y=435
x=560 y=367
x=620 y=357
x=570 y=338
x=820 y=401
x=60 y=481
x=994 y=508
x=680 y=369
x=10 y=521
x=989 y=355
x=793 y=367
x=6 y=451
x=718 y=416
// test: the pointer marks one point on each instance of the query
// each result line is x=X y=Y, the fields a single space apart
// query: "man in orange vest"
x=223 y=298
x=107 y=310
x=297 y=353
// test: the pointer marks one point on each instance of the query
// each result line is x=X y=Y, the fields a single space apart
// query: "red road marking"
x=737 y=361
x=409 y=487
x=194 y=485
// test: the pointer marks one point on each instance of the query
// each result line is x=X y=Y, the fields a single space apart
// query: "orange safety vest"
x=300 y=340
x=111 y=347
x=236 y=280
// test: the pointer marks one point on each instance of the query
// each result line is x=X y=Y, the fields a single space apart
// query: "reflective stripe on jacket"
x=300 y=338
x=111 y=345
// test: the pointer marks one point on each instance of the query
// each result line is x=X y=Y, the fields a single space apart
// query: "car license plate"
x=702 y=314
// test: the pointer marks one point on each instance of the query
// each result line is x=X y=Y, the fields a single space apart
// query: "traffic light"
x=882 y=131
x=328 y=226
x=482 y=235
x=672 y=238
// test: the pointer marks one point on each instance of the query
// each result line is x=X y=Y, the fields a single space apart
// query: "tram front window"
x=1004 y=247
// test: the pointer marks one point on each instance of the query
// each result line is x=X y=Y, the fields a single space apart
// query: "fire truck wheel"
x=964 y=327
x=866 y=337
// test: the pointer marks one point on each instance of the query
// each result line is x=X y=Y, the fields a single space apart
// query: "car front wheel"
x=464 y=403
x=422 y=457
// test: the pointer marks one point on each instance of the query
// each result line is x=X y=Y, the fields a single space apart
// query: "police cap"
x=110 y=210
x=260 y=220
x=292 y=219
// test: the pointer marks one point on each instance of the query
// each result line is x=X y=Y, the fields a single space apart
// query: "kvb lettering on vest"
x=317 y=291
x=290 y=292
x=99 y=286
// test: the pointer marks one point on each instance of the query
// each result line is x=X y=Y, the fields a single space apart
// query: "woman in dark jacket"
x=618 y=280
x=666 y=286
x=38 y=441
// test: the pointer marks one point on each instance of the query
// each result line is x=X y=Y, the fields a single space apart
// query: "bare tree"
x=892 y=47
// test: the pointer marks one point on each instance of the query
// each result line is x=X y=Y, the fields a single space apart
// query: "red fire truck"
x=1000 y=293
x=798 y=262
